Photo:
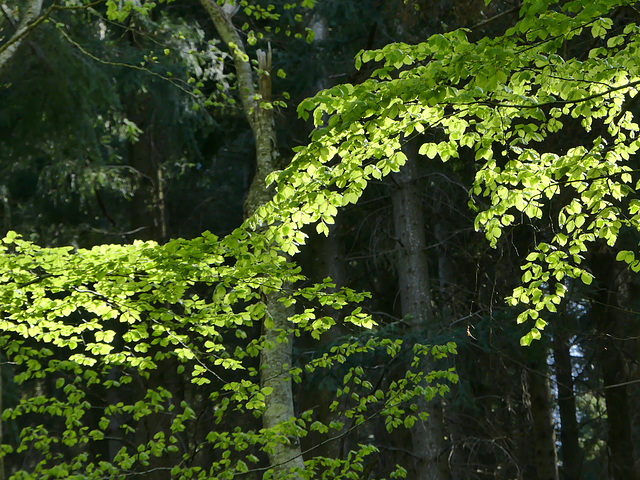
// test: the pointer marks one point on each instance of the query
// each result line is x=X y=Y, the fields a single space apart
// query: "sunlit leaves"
x=497 y=101
x=519 y=91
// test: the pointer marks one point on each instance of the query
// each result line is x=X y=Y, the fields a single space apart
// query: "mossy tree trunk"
x=275 y=357
x=32 y=10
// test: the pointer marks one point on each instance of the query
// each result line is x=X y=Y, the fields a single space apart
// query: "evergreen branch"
x=29 y=22
x=93 y=57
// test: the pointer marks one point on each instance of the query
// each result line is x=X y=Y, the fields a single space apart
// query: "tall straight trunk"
x=147 y=208
x=275 y=357
x=326 y=260
x=445 y=269
x=413 y=273
x=147 y=222
x=570 y=452
x=415 y=300
x=610 y=308
x=329 y=249
x=619 y=426
x=329 y=262
x=30 y=13
x=544 y=436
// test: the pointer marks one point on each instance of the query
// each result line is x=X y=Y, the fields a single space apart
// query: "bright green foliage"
x=503 y=101
x=97 y=339
x=97 y=320
x=100 y=319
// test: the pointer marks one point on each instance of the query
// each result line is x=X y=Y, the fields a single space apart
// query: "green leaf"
x=526 y=340
x=428 y=149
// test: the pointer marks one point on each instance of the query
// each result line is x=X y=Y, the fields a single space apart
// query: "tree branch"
x=28 y=23
x=495 y=17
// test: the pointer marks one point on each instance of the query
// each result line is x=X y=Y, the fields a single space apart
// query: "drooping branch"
x=27 y=24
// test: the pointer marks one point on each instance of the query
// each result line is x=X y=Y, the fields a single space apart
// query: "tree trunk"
x=614 y=325
x=570 y=449
x=7 y=51
x=544 y=436
x=413 y=273
x=415 y=299
x=147 y=208
x=445 y=269
x=619 y=426
x=328 y=250
x=275 y=357
x=326 y=259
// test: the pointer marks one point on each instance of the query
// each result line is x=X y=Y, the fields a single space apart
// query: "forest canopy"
x=136 y=346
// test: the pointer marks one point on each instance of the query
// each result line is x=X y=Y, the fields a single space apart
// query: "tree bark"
x=326 y=258
x=6 y=209
x=328 y=249
x=619 y=426
x=147 y=208
x=571 y=454
x=275 y=357
x=415 y=299
x=7 y=51
x=413 y=273
x=544 y=436
x=614 y=325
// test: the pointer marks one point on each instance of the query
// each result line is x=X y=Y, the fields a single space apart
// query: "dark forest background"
x=117 y=131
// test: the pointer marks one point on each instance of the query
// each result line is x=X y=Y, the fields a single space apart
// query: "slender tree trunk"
x=328 y=261
x=32 y=10
x=275 y=357
x=570 y=449
x=329 y=250
x=544 y=436
x=147 y=218
x=147 y=208
x=415 y=299
x=445 y=270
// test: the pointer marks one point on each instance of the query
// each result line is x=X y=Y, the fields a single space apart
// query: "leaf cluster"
x=500 y=100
